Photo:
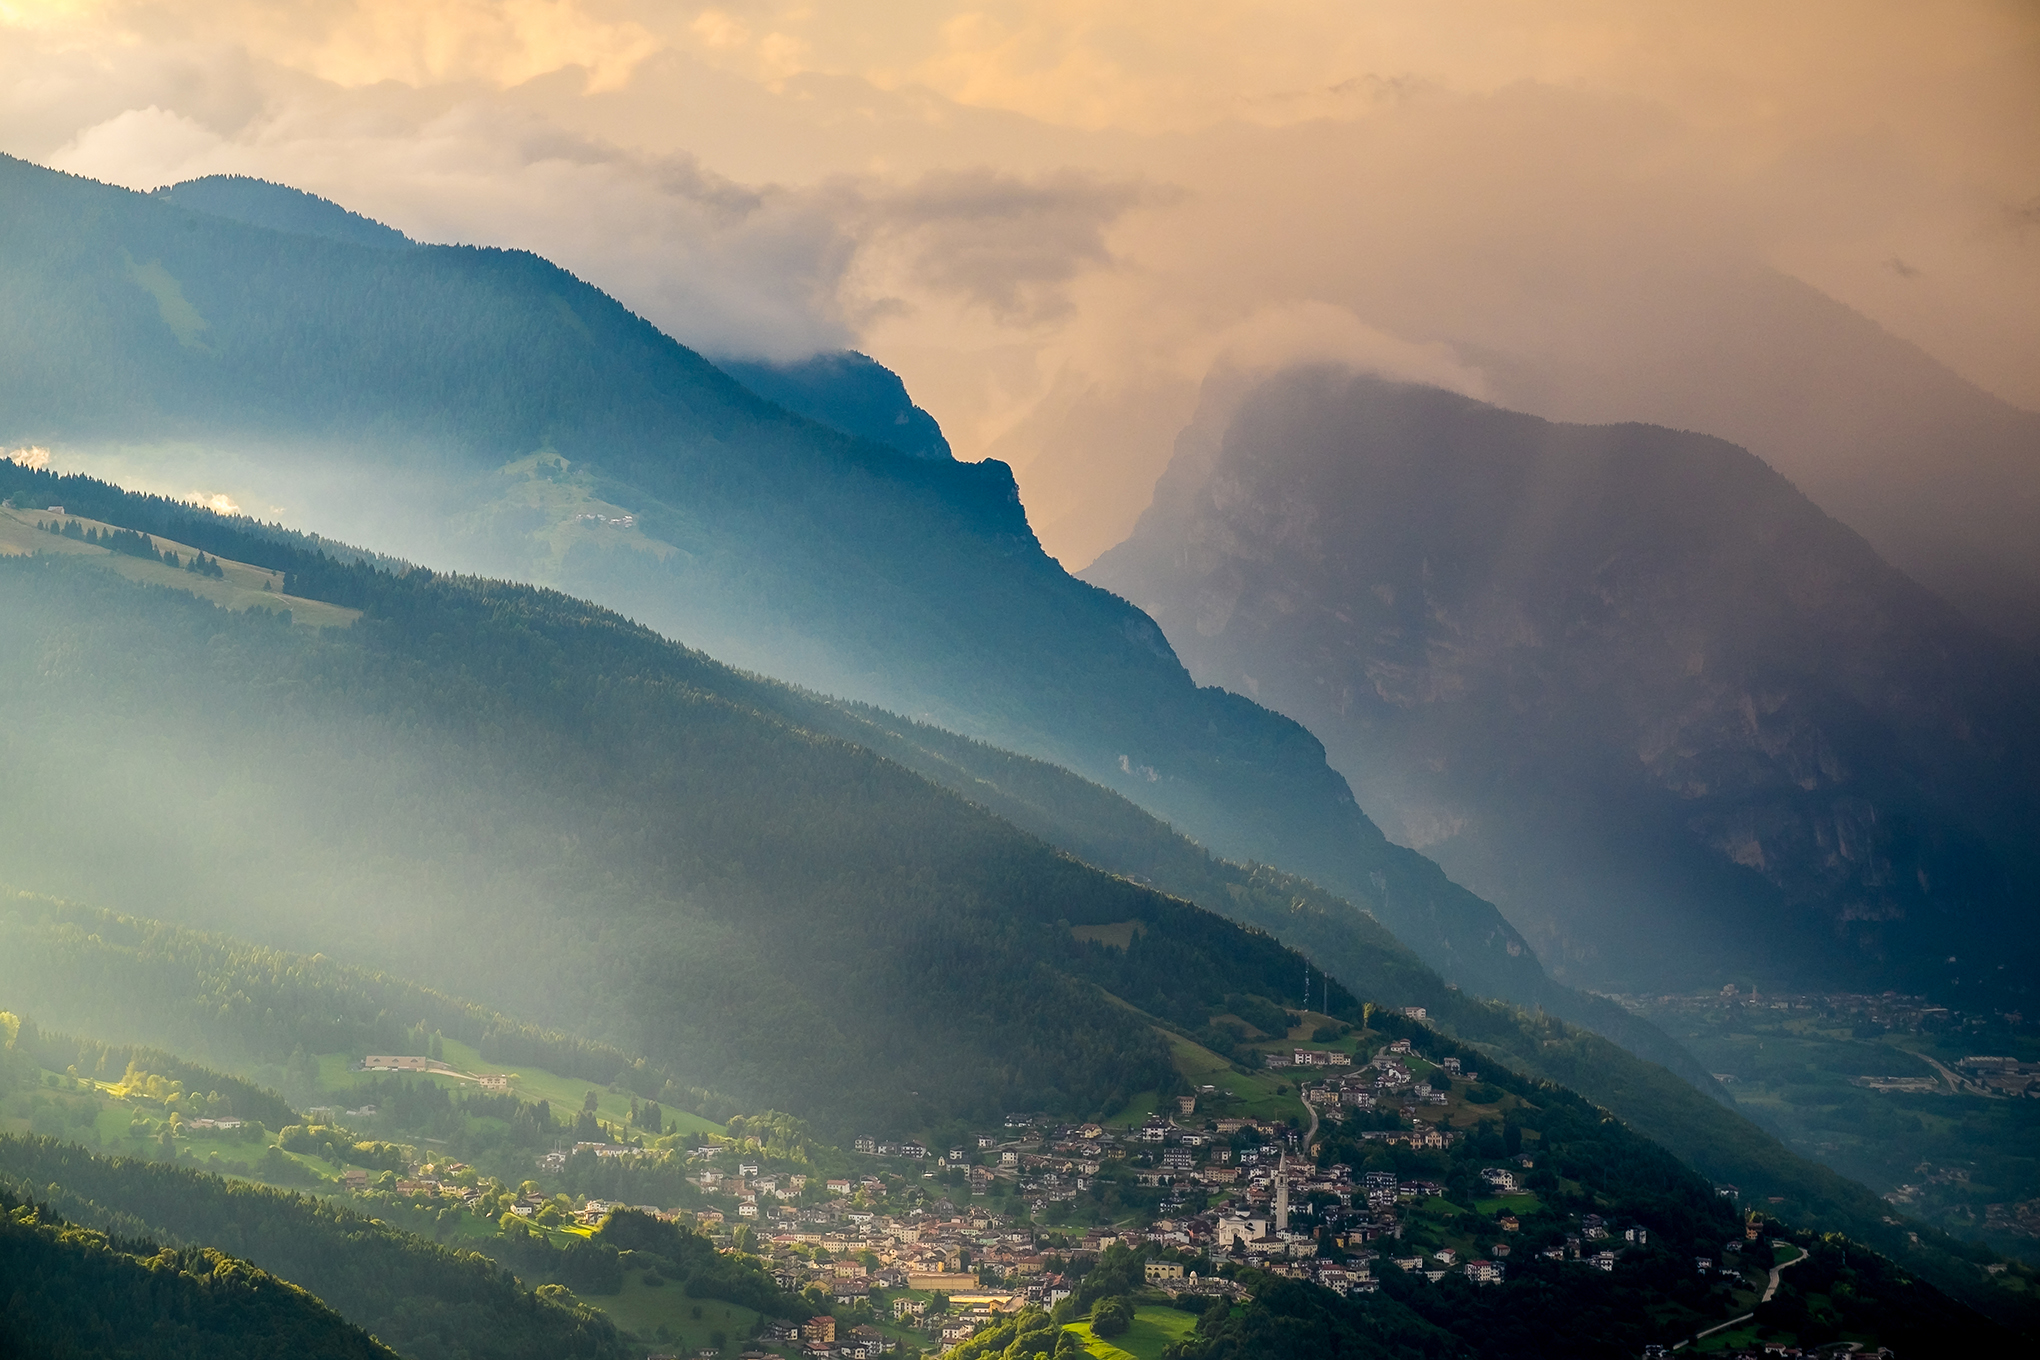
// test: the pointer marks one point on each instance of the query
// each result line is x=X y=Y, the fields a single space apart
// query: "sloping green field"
x=1154 y=1328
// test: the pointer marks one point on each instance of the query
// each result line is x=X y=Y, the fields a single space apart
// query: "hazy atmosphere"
x=1050 y=219
x=1020 y=682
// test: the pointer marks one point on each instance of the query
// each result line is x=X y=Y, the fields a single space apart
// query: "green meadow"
x=338 y=1077
x=1154 y=1329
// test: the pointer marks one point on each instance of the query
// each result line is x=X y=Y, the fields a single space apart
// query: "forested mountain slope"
x=504 y=791
x=1102 y=828
x=145 y=986
x=76 y=1294
x=485 y=409
x=260 y=203
x=427 y=1301
x=1625 y=681
x=97 y=1060
x=518 y=795
x=1697 y=1122
x=247 y=1004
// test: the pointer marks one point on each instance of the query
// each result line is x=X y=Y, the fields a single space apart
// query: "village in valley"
x=915 y=1249
x=1369 y=1160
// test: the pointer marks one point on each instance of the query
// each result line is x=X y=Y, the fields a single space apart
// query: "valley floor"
x=1936 y=1110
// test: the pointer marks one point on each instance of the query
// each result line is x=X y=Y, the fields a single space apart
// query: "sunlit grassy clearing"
x=1255 y=1094
x=565 y=1094
x=643 y=1310
x=242 y=586
x=1153 y=1329
x=114 y=1118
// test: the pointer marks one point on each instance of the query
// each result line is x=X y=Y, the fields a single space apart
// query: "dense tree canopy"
x=69 y=1293
x=430 y=1302
x=578 y=822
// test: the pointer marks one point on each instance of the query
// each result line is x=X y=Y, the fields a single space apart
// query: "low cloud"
x=1007 y=243
x=727 y=267
x=1319 y=333
x=724 y=266
x=1055 y=220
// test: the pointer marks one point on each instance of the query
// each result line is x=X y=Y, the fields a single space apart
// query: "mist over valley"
x=747 y=682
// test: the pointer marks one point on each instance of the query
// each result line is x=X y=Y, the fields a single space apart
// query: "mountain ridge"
x=485 y=409
x=1593 y=667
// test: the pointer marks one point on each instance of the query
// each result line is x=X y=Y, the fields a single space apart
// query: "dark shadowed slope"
x=74 y=1294
x=1627 y=682
x=497 y=789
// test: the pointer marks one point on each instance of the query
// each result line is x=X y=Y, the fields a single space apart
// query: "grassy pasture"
x=242 y=586
x=1153 y=1329
x=665 y=1314
x=1254 y=1094
x=565 y=1094
x=89 y=1112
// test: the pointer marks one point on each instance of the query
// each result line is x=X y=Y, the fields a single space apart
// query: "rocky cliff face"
x=1625 y=681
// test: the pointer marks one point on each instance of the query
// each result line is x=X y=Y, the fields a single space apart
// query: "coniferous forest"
x=77 y=1294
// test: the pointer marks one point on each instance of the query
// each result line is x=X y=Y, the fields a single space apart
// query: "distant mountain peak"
x=278 y=207
x=1628 y=683
x=849 y=392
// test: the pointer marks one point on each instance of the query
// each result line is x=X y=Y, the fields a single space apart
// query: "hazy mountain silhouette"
x=849 y=392
x=483 y=409
x=260 y=203
x=1625 y=681
x=1940 y=476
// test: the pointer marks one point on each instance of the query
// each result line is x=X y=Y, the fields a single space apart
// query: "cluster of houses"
x=822 y=1338
x=1999 y=1076
x=972 y=1254
x=945 y=1269
x=1892 y=1010
x=442 y=1180
x=492 y=1083
x=1385 y=1079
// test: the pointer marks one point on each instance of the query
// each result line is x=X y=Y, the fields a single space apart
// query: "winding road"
x=1770 y=1290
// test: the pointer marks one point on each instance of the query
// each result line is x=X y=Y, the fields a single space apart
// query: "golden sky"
x=1053 y=217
